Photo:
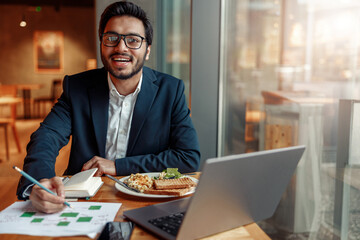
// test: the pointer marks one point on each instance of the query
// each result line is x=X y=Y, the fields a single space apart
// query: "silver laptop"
x=232 y=191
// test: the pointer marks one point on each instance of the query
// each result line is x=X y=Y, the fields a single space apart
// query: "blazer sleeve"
x=182 y=149
x=45 y=143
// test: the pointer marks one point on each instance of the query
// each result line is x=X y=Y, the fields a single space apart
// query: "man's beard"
x=137 y=68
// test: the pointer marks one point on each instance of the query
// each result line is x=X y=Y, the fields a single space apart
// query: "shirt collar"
x=113 y=90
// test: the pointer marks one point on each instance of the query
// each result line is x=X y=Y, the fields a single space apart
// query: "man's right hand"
x=46 y=202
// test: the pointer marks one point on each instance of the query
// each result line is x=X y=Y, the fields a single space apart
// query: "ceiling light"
x=23 y=22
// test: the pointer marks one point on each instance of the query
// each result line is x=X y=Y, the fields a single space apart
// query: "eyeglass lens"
x=131 y=41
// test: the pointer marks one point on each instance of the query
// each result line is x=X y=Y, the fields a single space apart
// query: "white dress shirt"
x=121 y=110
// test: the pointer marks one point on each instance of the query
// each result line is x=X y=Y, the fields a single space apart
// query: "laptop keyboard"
x=169 y=224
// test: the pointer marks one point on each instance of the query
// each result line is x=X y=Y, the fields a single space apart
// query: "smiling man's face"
x=122 y=62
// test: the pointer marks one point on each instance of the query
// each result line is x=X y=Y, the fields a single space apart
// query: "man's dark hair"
x=126 y=9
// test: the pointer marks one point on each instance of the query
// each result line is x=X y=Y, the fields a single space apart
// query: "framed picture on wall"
x=49 y=51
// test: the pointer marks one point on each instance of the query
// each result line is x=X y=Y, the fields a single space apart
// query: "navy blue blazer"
x=162 y=134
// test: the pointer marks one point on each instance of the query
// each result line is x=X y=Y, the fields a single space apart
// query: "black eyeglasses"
x=132 y=41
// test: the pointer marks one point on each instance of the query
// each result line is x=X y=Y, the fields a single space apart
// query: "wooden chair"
x=9 y=118
x=40 y=104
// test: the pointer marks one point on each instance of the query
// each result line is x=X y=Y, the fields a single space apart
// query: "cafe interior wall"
x=17 y=52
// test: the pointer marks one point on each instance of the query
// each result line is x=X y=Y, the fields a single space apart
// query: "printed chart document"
x=87 y=218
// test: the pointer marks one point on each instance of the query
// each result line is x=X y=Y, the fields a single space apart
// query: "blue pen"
x=30 y=178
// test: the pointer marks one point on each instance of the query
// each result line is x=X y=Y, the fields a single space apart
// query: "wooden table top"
x=9 y=100
x=301 y=97
x=108 y=193
x=29 y=86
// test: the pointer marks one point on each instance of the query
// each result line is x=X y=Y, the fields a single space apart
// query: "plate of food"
x=157 y=185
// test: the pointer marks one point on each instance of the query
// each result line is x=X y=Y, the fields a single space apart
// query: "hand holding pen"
x=46 y=201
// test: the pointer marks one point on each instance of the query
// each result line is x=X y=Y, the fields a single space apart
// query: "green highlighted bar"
x=94 y=207
x=84 y=219
x=63 y=224
x=37 y=220
x=69 y=214
x=28 y=214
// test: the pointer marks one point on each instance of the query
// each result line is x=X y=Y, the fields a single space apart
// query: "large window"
x=170 y=51
x=287 y=63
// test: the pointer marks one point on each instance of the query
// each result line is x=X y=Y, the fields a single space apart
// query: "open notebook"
x=82 y=184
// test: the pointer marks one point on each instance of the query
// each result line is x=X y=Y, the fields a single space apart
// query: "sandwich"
x=174 y=183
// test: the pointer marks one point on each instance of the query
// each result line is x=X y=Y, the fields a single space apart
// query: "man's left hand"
x=103 y=165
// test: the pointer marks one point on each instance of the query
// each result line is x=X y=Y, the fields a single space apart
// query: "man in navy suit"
x=123 y=119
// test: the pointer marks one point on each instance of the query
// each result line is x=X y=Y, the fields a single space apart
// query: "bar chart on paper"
x=87 y=218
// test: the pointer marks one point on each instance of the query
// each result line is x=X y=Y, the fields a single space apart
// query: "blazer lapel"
x=99 y=104
x=142 y=107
